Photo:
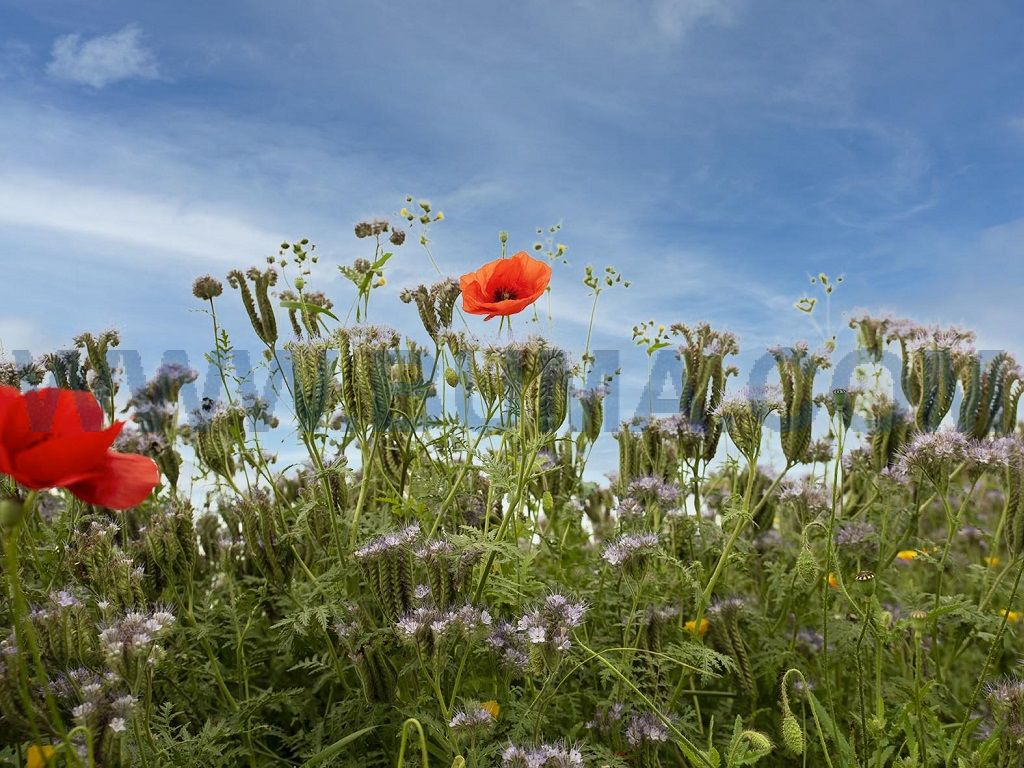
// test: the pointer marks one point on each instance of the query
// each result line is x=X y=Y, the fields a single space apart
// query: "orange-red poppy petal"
x=504 y=286
x=59 y=461
x=124 y=481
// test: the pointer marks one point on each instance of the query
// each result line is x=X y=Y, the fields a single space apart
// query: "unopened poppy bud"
x=451 y=377
x=792 y=734
x=299 y=283
x=12 y=512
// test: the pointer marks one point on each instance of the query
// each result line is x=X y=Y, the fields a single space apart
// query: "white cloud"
x=675 y=18
x=100 y=61
x=18 y=333
x=164 y=225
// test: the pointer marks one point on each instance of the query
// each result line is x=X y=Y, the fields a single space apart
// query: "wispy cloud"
x=675 y=18
x=159 y=225
x=102 y=60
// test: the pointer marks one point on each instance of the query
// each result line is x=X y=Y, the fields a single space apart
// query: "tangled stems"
x=740 y=526
x=688 y=748
x=996 y=643
x=23 y=629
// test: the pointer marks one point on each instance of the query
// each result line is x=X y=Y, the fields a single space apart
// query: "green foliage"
x=429 y=591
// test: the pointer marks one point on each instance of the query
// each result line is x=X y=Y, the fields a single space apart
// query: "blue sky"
x=717 y=153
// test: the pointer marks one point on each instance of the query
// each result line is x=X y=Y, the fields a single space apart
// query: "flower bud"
x=792 y=734
x=12 y=512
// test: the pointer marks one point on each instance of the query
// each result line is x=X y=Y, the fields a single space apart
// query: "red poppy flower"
x=505 y=286
x=54 y=438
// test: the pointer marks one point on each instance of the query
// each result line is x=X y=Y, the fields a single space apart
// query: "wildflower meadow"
x=821 y=571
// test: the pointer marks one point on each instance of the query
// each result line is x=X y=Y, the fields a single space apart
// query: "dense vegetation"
x=434 y=589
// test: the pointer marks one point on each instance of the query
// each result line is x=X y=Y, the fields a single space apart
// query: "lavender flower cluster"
x=557 y=755
x=548 y=628
x=630 y=549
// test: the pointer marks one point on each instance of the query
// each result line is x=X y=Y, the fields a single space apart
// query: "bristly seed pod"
x=260 y=309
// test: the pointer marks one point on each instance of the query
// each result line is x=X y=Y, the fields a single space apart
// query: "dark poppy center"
x=504 y=294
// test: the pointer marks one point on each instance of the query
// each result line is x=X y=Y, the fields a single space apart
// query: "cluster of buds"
x=435 y=304
x=169 y=544
x=744 y=415
x=430 y=627
x=66 y=632
x=65 y=366
x=99 y=704
x=725 y=618
x=99 y=376
x=536 y=384
x=592 y=408
x=207 y=288
x=873 y=334
x=374 y=228
x=387 y=564
x=1007 y=701
x=931 y=358
x=254 y=517
x=991 y=395
x=256 y=300
x=557 y=755
x=100 y=562
x=13 y=374
x=1013 y=532
x=374 y=669
x=631 y=552
x=653 y=447
x=155 y=410
x=217 y=432
x=703 y=385
x=130 y=645
x=367 y=386
x=889 y=429
x=312 y=382
x=448 y=567
x=797 y=367
x=657 y=620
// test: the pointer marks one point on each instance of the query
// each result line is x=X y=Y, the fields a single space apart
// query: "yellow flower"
x=37 y=757
x=991 y=562
x=404 y=213
x=833 y=581
x=492 y=708
x=906 y=555
x=439 y=216
x=1011 y=616
x=691 y=627
x=381 y=283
